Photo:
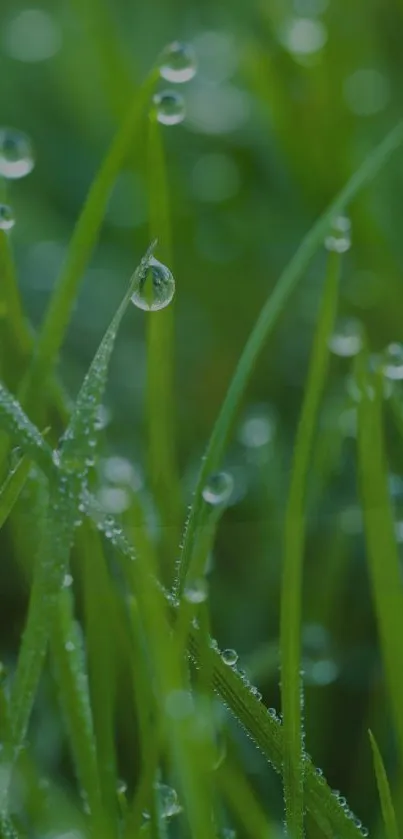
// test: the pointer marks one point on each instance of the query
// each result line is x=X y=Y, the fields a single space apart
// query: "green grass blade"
x=267 y=733
x=163 y=470
x=79 y=439
x=388 y=810
x=241 y=800
x=100 y=645
x=382 y=551
x=294 y=540
x=70 y=668
x=81 y=247
x=22 y=431
x=265 y=324
x=12 y=487
x=11 y=309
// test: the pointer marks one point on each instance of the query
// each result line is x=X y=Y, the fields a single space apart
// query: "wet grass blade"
x=81 y=246
x=77 y=448
x=12 y=487
x=388 y=810
x=382 y=551
x=70 y=668
x=294 y=541
x=163 y=470
x=23 y=432
x=267 y=319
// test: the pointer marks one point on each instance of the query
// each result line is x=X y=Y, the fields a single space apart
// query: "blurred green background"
x=289 y=97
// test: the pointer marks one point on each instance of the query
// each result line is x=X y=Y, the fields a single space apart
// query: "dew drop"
x=218 y=488
x=169 y=802
x=155 y=287
x=16 y=154
x=392 y=362
x=7 y=218
x=347 y=338
x=67 y=581
x=230 y=657
x=196 y=591
x=69 y=646
x=339 y=236
x=256 y=431
x=169 y=107
x=178 y=63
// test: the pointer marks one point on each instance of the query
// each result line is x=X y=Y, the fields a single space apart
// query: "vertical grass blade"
x=160 y=380
x=388 y=810
x=294 y=540
x=70 y=668
x=16 y=335
x=382 y=552
x=266 y=321
x=81 y=246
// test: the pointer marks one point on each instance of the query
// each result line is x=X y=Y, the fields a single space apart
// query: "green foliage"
x=120 y=715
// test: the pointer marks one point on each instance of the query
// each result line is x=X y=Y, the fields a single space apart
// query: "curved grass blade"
x=81 y=246
x=160 y=380
x=23 y=432
x=79 y=439
x=12 y=487
x=383 y=558
x=388 y=810
x=294 y=539
x=265 y=324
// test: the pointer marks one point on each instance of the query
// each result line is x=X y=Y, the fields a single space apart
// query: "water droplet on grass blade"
x=339 y=236
x=230 y=657
x=347 y=338
x=178 y=63
x=16 y=154
x=218 y=488
x=169 y=803
x=155 y=287
x=392 y=362
x=169 y=107
x=196 y=591
x=7 y=218
x=67 y=581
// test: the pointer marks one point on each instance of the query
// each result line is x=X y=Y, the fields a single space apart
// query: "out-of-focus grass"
x=275 y=126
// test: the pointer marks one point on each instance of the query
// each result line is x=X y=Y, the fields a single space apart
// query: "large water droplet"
x=347 y=338
x=155 y=287
x=178 y=63
x=218 y=488
x=7 y=219
x=170 y=107
x=169 y=803
x=229 y=657
x=196 y=591
x=16 y=154
x=392 y=362
x=339 y=236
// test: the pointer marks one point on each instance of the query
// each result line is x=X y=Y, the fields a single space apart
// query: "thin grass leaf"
x=18 y=332
x=242 y=802
x=70 y=668
x=101 y=643
x=294 y=540
x=267 y=733
x=84 y=238
x=382 y=551
x=76 y=452
x=12 y=487
x=23 y=432
x=388 y=810
x=267 y=319
x=163 y=469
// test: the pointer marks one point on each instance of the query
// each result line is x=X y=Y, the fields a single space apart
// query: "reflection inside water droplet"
x=347 y=338
x=16 y=154
x=169 y=107
x=178 y=63
x=229 y=657
x=155 y=287
x=7 y=219
x=218 y=488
